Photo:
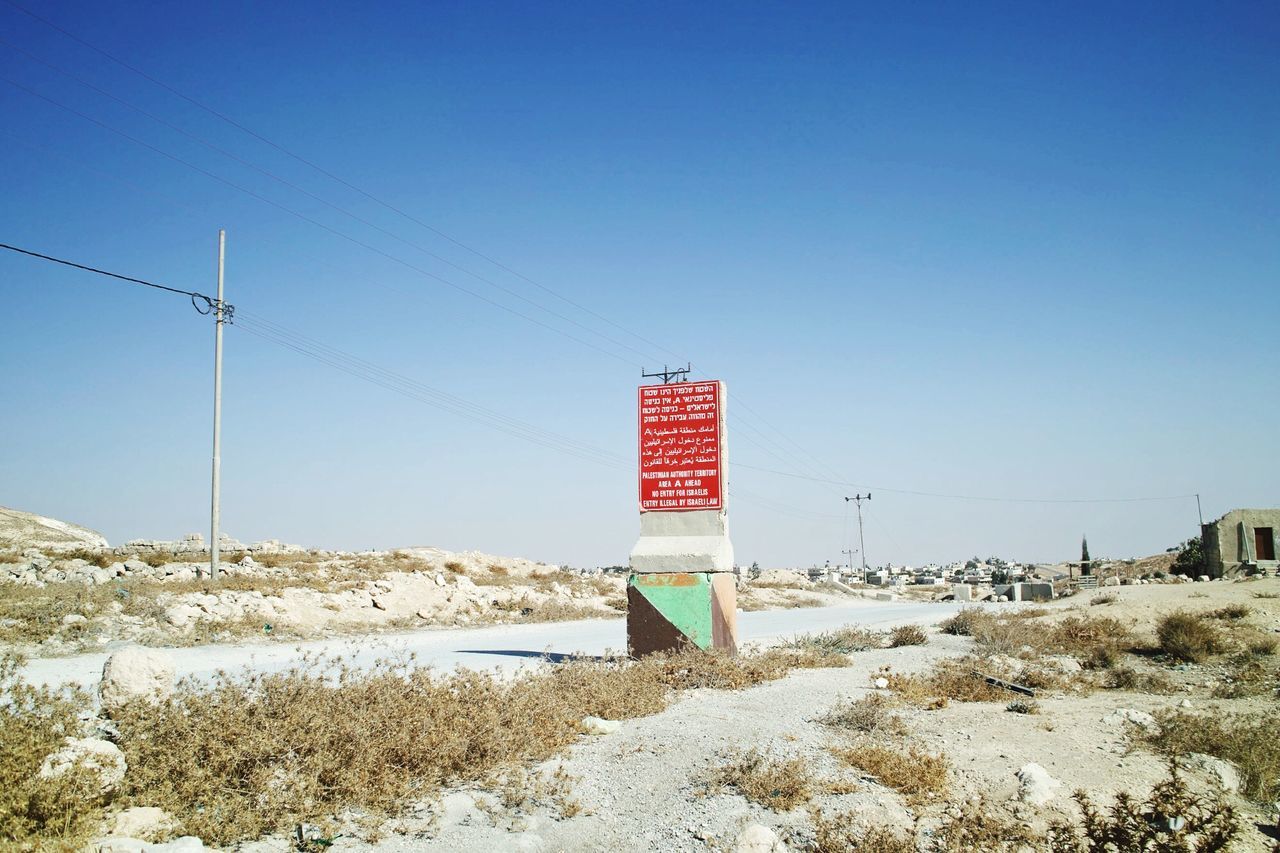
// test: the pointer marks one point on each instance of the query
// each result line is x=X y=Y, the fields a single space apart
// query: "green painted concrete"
x=684 y=599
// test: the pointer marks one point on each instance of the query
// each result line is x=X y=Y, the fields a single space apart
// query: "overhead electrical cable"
x=399 y=211
x=336 y=232
x=263 y=328
x=834 y=480
x=967 y=497
x=337 y=207
x=330 y=175
x=366 y=369
x=196 y=298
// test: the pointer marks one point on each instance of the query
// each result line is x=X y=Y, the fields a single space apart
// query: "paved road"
x=498 y=647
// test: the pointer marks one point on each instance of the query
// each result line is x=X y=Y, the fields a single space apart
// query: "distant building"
x=1241 y=539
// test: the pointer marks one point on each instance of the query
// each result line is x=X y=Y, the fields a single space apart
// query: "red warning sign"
x=680 y=426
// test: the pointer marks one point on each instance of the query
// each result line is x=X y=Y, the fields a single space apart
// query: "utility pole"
x=1199 y=512
x=862 y=546
x=679 y=374
x=215 y=511
x=850 y=553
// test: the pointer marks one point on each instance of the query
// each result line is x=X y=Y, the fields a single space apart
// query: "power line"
x=409 y=217
x=965 y=497
x=334 y=231
x=363 y=369
x=333 y=206
x=284 y=150
x=210 y=304
x=309 y=163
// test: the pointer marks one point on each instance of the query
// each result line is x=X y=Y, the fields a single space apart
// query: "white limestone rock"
x=118 y=844
x=1142 y=719
x=758 y=838
x=135 y=672
x=1035 y=786
x=101 y=757
x=144 y=822
x=1224 y=773
x=598 y=726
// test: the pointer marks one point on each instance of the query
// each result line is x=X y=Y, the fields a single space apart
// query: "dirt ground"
x=645 y=785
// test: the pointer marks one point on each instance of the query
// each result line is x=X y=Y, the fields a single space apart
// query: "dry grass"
x=843 y=641
x=907 y=635
x=916 y=775
x=842 y=833
x=775 y=783
x=1247 y=676
x=1232 y=611
x=251 y=754
x=1259 y=644
x=40 y=813
x=985 y=828
x=1246 y=740
x=1128 y=678
x=555 y=610
x=871 y=715
x=954 y=679
x=1188 y=637
x=1025 y=633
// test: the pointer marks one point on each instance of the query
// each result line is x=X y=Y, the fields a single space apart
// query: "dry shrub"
x=967 y=623
x=1188 y=637
x=1232 y=611
x=1021 y=633
x=559 y=610
x=911 y=772
x=842 y=642
x=1023 y=706
x=254 y=753
x=1246 y=740
x=101 y=559
x=1082 y=635
x=1203 y=824
x=775 y=783
x=1128 y=678
x=1246 y=676
x=1266 y=595
x=949 y=679
x=907 y=635
x=1103 y=657
x=1104 y=598
x=35 y=812
x=841 y=833
x=872 y=714
x=1259 y=644
x=498 y=571
x=521 y=790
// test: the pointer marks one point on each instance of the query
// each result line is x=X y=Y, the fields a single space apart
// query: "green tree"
x=1190 y=560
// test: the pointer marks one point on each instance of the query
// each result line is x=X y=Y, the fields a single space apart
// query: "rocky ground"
x=903 y=737
x=63 y=589
x=657 y=782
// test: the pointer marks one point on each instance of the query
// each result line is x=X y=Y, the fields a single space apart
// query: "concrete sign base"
x=667 y=611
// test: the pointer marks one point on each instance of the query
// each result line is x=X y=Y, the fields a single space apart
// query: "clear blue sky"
x=1009 y=250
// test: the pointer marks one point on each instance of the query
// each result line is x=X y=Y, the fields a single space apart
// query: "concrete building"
x=1241 y=539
